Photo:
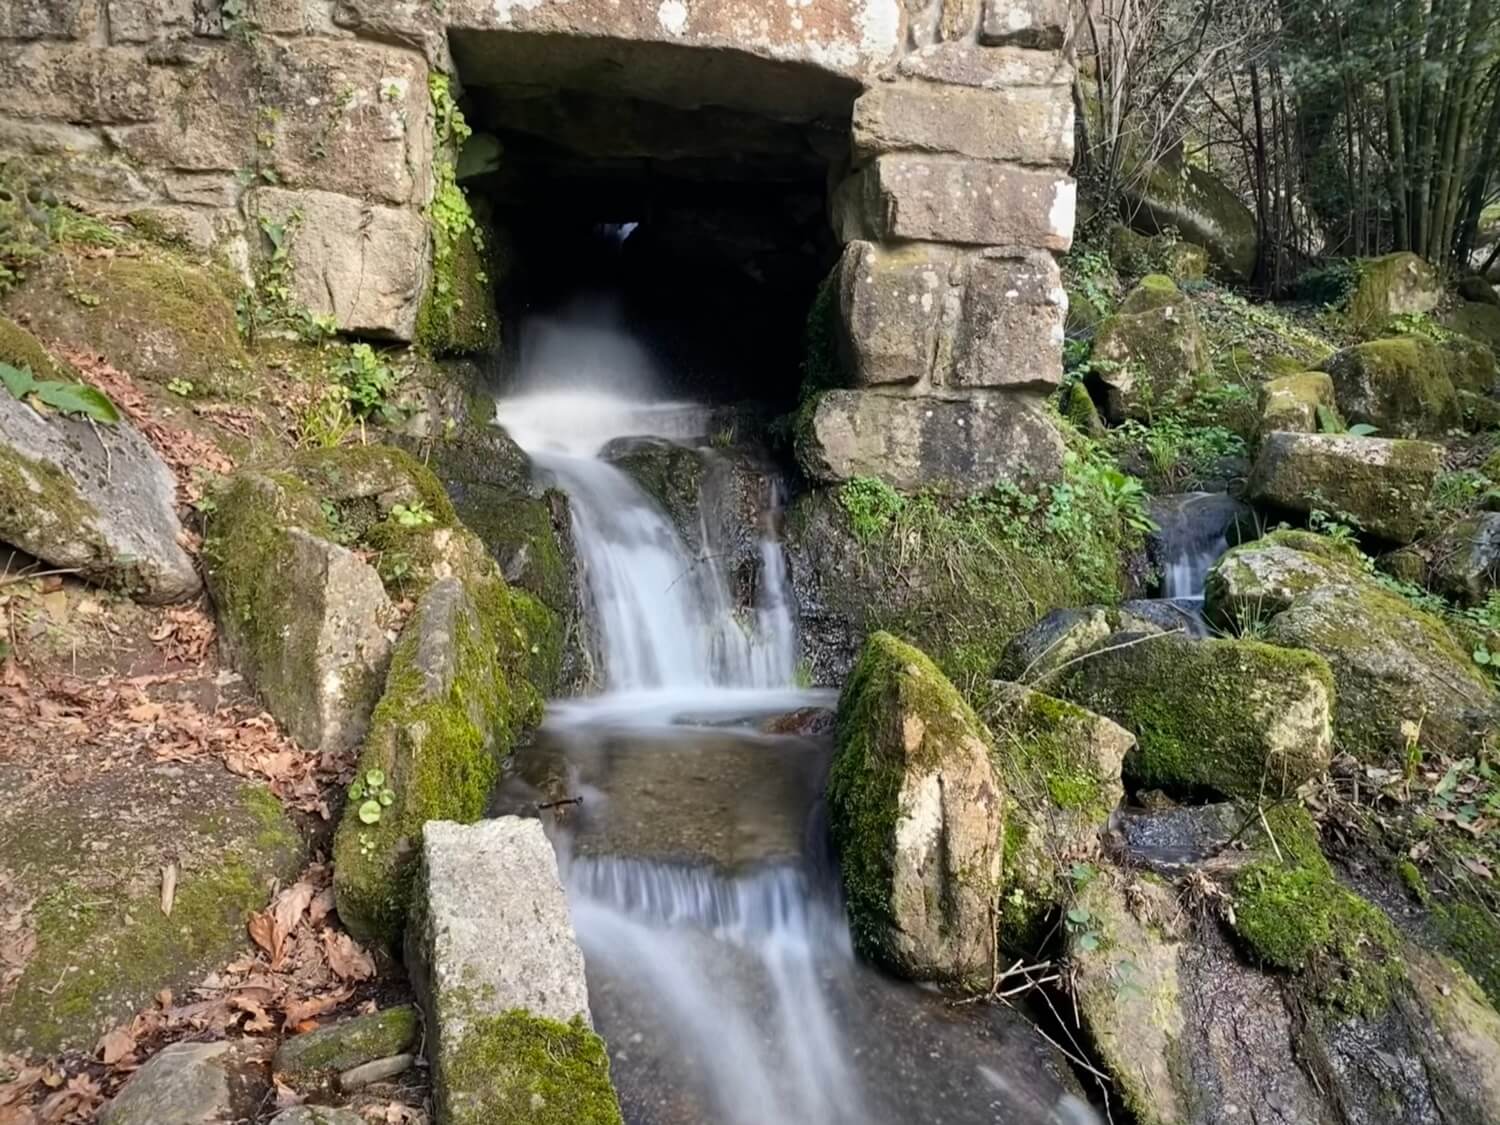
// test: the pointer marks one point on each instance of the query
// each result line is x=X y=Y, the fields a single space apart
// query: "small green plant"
x=76 y=400
x=871 y=505
x=182 y=387
x=1083 y=927
x=373 y=794
x=369 y=381
x=339 y=528
x=326 y=422
x=415 y=514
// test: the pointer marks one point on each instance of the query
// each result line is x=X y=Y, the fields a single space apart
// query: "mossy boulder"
x=916 y=813
x=154 y=315
x=305 y=619
x=519 y=1068
x=1137 y=254
x=1395 y=285
x=1409 y=385
x=1466 y=558
x=1171 y=195
x=1401 y=674
x=1079 y=409
x=1292 y=402
x=1234 y=717
x=671 y=474
x=88 y=858
x=94 y=499
x=1478 y=290
x=1255 y=581
x=1061 y=769
x=460 y=691
x=20 y=348
x=1150 y=355
x=1381 y=485
x=1477 y=320
x=1290 y=912
x=314 y=1058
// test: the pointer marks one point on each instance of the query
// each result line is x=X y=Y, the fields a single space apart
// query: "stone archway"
x=944 y=128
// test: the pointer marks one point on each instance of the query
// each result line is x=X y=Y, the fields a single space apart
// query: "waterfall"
x=721 y=972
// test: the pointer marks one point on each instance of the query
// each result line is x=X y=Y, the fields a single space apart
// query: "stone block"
x=353 y=118
x=363 y=264
x=1010 y=331
x=891 y=304
x=913 y=441
x=203 y=126
x=990 y=68
x=100 y=85
x=949 y=199
x=45 y=19
x=1025 y=23
x=1383 y=484
x=1027 y=125
x=142 y=21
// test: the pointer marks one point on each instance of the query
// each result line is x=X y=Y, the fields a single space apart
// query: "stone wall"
x=210 y=120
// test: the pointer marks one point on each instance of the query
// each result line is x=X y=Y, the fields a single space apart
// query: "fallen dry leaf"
x=345 y=957
x=115 y=1046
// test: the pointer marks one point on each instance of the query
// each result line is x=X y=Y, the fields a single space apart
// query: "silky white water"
x=719 y=960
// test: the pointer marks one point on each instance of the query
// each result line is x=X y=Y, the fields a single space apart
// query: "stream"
x=699 y=877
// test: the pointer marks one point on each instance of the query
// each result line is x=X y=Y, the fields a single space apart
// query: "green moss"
x=154 y=315
x=20 y=348
x=320 y=1054
x=1406 y=384
x=1201 y=710
x=519 y=1068
x=1078 y=408
x=1381 y=285
x=822 y=366
x=1472 y=935
x=891 y=680
x=1481 y=322
x=1293 y=914
x=1411 y=879
x=440 y=750
x=1040 y=751
x=101 y=954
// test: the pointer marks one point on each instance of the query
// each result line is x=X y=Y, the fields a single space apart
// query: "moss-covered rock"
x=1400 y=673
x=315 y=1057
x=1138 y=254
x=155 y=316
x=461 y=689
x=303 y=618
x=1477 y=320
x=671 y=474
x=1255 y=581
x=1292 y=913
x=1379 y=485
x=519 y=1068
x=1466 y=558
x=88 y=857
x=20 y=348
x=916 y=814
x=1395 y=285
x=1409 y=385
x=1291 y=402
x=1235 y=717
x=1151 y=354
x=1061 y=769
x=1079 y=409
x=1169 y=194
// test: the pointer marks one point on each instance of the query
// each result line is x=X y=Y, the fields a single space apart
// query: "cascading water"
x=720 y=967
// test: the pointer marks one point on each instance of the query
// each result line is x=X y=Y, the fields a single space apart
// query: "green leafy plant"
x=369 y=381
x=183 y=387
x=415 y=514
x=76 y=400
x=871 y=505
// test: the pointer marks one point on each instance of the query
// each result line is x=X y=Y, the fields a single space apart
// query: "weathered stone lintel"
x=929 y=316
x=954 y=200
x=1024 y=125
x=1025 y=23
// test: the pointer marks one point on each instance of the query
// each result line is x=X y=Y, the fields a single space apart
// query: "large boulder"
x=500 y=976
x=1172 y=195
x=911 y=442
x=1382 y=484
x=1395 y=285
x=1409 y=385
x=1061 y=768
x=1236 y=717
x=1256 y=581
x=1466 y=558
x=917 y=815
x=92 y=498
x=306 y=620
x=1291 y=403
x=1401 y=675
x=1479 y=320
x=459 y=692
x=1150 y=355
